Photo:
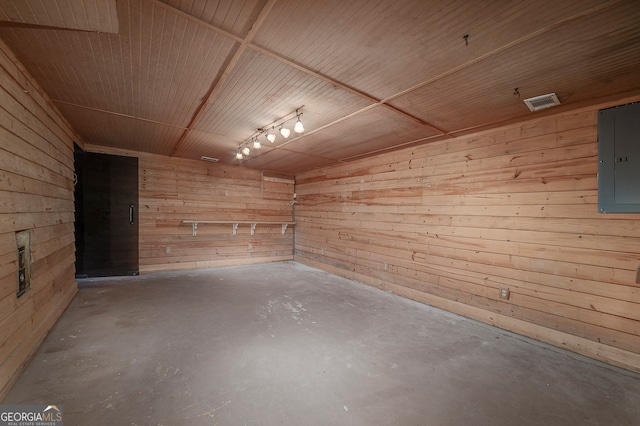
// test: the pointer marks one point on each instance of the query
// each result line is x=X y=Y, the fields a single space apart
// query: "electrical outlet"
x=505 y=293
x=167 y=250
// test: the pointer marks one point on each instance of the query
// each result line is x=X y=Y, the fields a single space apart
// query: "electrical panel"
x=619 y=159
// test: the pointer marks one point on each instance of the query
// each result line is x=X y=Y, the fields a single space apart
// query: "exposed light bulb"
x=285 y=132
x=271 y=137
x=256 y=143
x=298 y=128
x=246 y=150
x=239 y=155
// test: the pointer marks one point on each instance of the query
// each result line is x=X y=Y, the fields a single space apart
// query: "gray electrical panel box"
x=619 y=159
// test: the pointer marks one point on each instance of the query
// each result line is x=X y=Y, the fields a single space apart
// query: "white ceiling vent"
x=205 y=158
x=542 y=102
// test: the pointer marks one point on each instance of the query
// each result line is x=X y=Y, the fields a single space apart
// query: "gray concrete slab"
x=287 y=344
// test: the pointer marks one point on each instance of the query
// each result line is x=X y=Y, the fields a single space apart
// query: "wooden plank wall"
x=451 y=223
x=174 y=189
x=36 y=194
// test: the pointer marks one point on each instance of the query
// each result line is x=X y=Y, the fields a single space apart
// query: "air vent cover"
x=542 y=102
x=205 y=158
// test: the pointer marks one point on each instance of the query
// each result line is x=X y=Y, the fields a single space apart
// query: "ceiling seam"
x=246 y=42
x=445 y=133
x=197 y=21
x=384 y=102
x=119 y=114
x=343 y=86
x=299 y=67
x=501 y=49
x=226 y=71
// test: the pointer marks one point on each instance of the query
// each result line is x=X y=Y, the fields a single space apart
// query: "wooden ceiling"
x=188 y=78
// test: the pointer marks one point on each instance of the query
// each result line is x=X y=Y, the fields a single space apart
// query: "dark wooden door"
x=106 y=215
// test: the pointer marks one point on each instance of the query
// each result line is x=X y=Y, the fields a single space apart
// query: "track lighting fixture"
x=244 y=149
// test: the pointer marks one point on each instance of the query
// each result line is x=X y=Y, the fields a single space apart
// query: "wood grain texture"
x=452 y=222
x=172 y=190
x=187 y=78
x=84 y=15
x=36 y=193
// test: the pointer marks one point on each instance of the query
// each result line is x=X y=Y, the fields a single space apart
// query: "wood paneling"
x=124 y=131
x=157 y=68
x=233 y=16
x=172 y=190
x=450 y=223
x=187 y=78
x=36 y=193
x=373 y=46
x=273 y=89
x=87 y=15
x=519 y=69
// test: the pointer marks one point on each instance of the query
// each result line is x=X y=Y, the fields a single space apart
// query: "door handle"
x=131 y=214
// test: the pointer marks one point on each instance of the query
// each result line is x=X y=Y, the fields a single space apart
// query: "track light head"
x=246 y=150
x=271 y=137
x=285 y=132
x=256 y=143
x=239 y=155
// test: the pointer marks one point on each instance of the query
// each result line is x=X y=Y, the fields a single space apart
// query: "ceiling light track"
x=269 y=133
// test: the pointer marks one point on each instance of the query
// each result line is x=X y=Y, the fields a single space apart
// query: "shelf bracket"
x=235 y=228
x=253 y=228
x=284 y=227
x=194 y=228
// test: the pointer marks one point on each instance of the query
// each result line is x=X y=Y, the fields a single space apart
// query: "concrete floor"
x=287 y=344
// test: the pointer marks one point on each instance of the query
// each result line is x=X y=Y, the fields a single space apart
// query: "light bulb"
x=246 y=150
x=256 y=143
x=299 y=128
x=285 y=132
x=239 y=155
x=271 y=137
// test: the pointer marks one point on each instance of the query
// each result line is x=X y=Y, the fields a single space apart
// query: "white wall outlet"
x=505 y=293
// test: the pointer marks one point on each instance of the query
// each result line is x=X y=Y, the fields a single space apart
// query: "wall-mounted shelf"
x=234 y=224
